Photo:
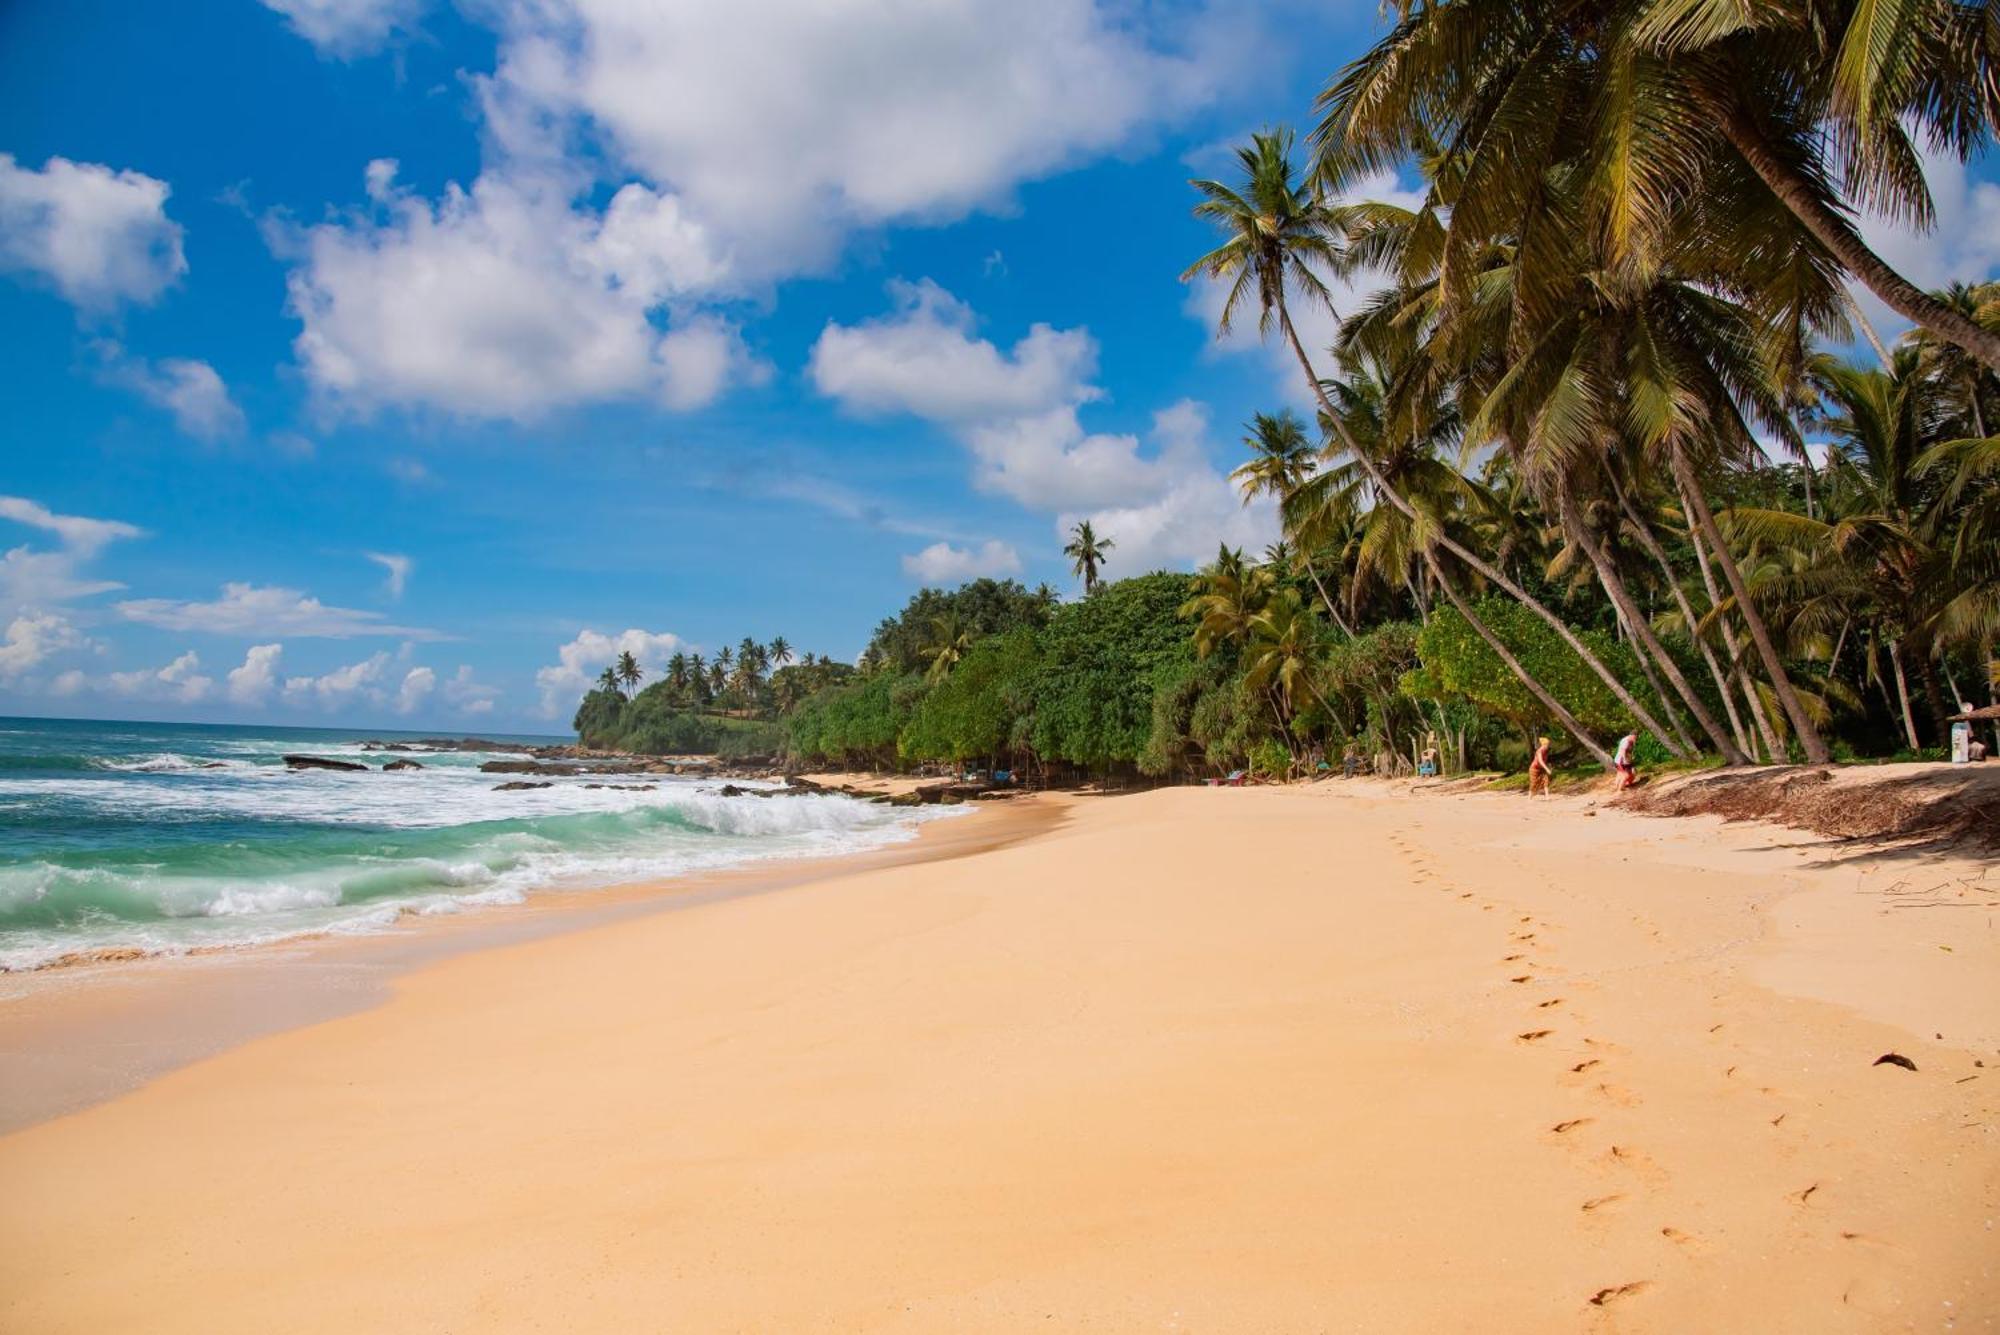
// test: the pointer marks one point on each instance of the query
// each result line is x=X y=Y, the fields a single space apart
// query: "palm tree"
x=1283 y=641
x=629 y=671
x=607 y=680
x=1277 y=231
x=677 y=672
x=1224 y=599
x=1774 y=121
x=1281 y=460
x=1086 y=552
x=950 y=637
x=780 y=651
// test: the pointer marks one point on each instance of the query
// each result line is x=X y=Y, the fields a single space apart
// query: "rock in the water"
x=518 y=786
x=402 y=764
x=321 y=762
x=528 y=767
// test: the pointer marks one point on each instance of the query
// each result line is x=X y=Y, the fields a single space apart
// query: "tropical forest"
x=1605 y=440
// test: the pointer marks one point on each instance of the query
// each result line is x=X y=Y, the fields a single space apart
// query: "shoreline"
x=1213 y=1058
x=74 y=1035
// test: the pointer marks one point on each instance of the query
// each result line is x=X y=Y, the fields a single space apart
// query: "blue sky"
x=394 y=362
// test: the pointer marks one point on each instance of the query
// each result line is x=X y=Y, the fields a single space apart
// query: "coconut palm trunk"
x=1325 y=597
x=1649 y=541
x=1774 y=748
x=1498 y=646
x=1760 y=634
x=1903 y=694
x=1471 y=558
x=1642 y=631
x=1834 y=232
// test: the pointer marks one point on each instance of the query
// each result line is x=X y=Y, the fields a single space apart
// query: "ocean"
x=157 y=838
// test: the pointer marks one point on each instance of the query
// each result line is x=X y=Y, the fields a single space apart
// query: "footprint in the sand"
x=1524 y=978
x=1803 y=1197
x=1597 y=1203
x=1552 y=1001
x=1637 y=1162
x=1605 y=1297
x=1583 y=1066
x=1533 y=1036
x=1684 y=1240
x=1564 y=1128
x=1619 y=1095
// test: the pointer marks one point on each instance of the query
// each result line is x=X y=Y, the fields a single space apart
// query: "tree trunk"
x=1651 y=543
x=1867 y=328
x=1683 y=746
x=1903 y=695
x=1324 y=597
x=1471 y=558
x=1541 y=693
x=1774 y=749
x=1642 y=630
x=1834 y=232
x=1760 y=634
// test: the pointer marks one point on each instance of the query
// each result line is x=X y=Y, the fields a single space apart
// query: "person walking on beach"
x=1539 y=770
x=1624 y=760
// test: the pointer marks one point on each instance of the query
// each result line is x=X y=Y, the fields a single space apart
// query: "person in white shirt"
x=1623 y=760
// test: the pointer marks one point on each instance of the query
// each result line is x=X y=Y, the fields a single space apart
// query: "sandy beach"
x=1330 y=1057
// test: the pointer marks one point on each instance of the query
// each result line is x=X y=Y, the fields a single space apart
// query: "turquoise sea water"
x=168 y=837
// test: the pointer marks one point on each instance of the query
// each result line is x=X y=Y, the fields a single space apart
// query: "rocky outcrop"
x=402 y=764
x=321 y=762
x=519 y=786
x=530 y=767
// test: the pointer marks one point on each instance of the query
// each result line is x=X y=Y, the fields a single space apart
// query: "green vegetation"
x=1582 y=463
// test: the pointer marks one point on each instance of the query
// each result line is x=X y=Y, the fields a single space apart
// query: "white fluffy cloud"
x=250 y=609
x=398 y=568
x=98 y=236
x=190 y=390
x=32 y=638
x=509 y=300
x=467 y=695
x=1018 y=412
x=788 y=123
x=1196 y=508
x=417 y=685
x=924 y=358
x=1964 y=246
x=347 y=27
x=579 y=662
x=253 y=682
x=941 y=563
x=747 y=144
x=341 y=687
x=180 y=681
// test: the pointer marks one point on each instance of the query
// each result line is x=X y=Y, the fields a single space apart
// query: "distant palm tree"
x=950 y=638
x=629 y=671
x=607 y=680
x=1086 y=552
x=677 y=672
x=780 y=651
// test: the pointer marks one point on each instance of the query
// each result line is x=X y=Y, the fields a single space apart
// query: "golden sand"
x=1301 y=1059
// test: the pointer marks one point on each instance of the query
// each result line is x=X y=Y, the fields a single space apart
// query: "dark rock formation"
x=321 y=762
x=402 y=764
x=518 y=786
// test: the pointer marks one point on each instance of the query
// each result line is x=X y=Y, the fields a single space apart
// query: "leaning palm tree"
x=1086 y=553
x=1277 y=233
x=1778 y=120
x=629 y=671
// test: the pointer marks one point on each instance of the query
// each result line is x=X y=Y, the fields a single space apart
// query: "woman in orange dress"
x=1539 y=769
